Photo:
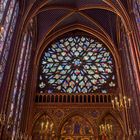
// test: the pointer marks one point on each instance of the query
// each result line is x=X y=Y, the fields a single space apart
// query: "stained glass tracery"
x=76 y=64
x=9 y=23
x=19 y=88
x=2 y=8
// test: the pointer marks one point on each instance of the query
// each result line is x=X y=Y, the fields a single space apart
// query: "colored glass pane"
x=2 y=8
x=17 y=76
x=76 y=64
x=7 y=23
x=21 y=80
x=5 y=42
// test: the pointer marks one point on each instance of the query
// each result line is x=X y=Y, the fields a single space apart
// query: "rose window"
x=76 y=64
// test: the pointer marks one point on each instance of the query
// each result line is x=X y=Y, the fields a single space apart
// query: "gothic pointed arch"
x=76 y=64
x=77 y=127
x=43 y=126
x=69 y=59
x=116 y=124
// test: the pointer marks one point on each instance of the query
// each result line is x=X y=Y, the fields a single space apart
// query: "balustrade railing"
x=73 y=98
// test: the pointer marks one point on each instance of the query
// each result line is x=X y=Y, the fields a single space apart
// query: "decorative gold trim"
x=114 y=115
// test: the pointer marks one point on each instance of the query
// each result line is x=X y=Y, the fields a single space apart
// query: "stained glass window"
x=18 y=94
x=7 y=23
x=76 y=64
x=2 y=8
x=9 y=26
x=20 y=81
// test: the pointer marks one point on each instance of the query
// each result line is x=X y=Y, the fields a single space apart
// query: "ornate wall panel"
x=76 y=123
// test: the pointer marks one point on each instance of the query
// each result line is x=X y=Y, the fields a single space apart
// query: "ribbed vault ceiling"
x=53 y=15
